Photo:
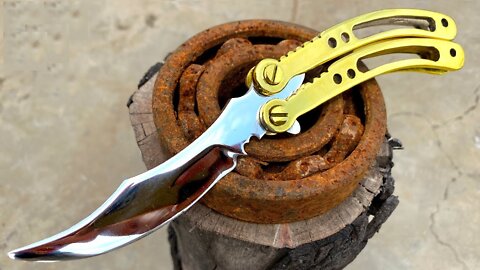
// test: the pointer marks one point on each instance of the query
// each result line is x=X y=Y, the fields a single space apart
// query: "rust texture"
x=285 y=178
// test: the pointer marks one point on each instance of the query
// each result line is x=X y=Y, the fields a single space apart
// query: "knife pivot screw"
x=272 y=74
x=275 y=116
x=278 y=115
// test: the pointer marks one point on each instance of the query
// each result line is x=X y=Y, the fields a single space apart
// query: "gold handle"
x=270 y=75
x=436 y=56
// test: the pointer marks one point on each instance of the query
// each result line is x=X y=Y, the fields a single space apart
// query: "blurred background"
x=67 y=69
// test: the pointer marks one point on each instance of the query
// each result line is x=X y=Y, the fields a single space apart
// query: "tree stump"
x=313 y=210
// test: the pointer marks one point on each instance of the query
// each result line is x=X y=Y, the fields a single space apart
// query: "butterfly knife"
x=276 y=97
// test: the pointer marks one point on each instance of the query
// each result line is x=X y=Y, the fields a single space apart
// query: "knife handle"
x=270 y=75
x=429 y=56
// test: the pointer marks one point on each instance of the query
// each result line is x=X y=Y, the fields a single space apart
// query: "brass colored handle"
x=270 y=75
x=436 y=56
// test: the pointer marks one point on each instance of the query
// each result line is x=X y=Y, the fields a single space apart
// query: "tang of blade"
x=144 y=203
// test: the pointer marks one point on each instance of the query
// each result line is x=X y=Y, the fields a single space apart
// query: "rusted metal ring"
x=284 y=179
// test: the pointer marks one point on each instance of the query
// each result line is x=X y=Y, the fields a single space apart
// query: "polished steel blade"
x=146 y=202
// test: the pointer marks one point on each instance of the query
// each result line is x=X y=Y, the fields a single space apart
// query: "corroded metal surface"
x=285 y=178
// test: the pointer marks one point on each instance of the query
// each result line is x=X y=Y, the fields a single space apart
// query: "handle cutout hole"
x=337 y=78
x=367 y=29
x=444 y=22
x=453 y=52
x=351 y=73
x=381 y=58
x=332 y=42
x=345 y=37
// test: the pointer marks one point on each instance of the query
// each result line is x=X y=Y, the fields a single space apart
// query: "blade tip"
x=12 y=254
x=23 y=254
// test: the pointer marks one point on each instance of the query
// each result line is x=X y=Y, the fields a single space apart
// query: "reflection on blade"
x=145 y=202
x=133 y=211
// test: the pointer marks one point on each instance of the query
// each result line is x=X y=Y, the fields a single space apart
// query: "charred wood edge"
x=151 y=72
x=332 y=252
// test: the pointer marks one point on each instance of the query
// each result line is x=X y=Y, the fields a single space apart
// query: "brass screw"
x=249 y=78
x=272 y=74
x=278 y=115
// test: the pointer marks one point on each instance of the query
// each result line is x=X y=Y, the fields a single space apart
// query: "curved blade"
x=146 y=202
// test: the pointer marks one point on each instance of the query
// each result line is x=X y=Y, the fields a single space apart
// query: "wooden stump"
x=204 y=239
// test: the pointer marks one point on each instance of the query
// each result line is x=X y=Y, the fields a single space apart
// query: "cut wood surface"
x=205 y=239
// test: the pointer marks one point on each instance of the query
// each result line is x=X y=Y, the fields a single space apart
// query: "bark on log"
x=204 y=239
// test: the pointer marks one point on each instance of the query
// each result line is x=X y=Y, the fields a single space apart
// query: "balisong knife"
x=275 y=99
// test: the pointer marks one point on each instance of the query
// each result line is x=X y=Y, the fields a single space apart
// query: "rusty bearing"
x=285 y=178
